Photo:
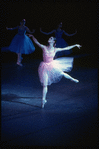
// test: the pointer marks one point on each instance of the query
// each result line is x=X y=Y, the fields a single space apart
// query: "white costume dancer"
x=50 y=70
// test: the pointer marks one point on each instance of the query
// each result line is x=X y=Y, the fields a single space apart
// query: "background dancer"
x=60 y=42
x=21 y=43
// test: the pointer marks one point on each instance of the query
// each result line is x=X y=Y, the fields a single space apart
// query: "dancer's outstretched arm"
x=69 y=34
x=12 y=28
x=35 y=40
x=68 y=48
x=48 y=32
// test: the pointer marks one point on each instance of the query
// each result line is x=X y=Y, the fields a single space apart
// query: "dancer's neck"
x=59 y=29
x=22 y=25
x=50 y=45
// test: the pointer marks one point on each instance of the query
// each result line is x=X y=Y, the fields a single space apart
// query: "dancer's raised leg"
x=69 y=77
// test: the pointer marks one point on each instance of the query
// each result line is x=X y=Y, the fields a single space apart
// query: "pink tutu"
x=53 y=70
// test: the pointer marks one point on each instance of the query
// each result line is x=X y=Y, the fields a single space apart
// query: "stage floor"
x=69 y=116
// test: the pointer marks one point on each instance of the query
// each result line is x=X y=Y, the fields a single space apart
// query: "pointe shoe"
x=18 y=63
x=43 y=103
x=76 y=81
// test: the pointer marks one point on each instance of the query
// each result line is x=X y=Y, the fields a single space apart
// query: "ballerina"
x=51 y=71
x=21 y=43
x=60 y=42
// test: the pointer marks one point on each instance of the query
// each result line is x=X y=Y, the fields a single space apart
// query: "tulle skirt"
x=21 y=44
x=52 y=72
x=61 y=43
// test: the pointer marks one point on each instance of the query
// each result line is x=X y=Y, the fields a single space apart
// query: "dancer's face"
x=51 y=40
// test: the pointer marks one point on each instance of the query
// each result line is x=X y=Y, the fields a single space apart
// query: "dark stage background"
x=70 y=116
x=80 y=16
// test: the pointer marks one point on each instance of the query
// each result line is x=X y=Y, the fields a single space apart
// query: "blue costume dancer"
x=60 y=42
x=21 y=43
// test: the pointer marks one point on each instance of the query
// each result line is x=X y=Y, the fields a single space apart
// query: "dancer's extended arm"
x=36 y=41
x=12 y=28
x=69 y=34
x=48 y=32
x=68 y=48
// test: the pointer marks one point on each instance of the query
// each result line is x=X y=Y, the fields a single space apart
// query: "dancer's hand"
x=30 y=35
x=7 y=28
x=79 y=46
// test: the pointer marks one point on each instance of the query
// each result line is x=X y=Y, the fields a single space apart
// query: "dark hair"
x=55 y=41
x=54 y=38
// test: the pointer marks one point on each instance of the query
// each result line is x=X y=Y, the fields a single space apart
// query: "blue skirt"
x=21 y=44
x=61 y=43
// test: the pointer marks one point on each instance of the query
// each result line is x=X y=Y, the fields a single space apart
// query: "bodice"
x=21 y=31
x=58 y=34
x=48 y=56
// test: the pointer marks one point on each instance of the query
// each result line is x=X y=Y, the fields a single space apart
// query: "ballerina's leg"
x=19 y=58
x=69 y=77
x=45 y=90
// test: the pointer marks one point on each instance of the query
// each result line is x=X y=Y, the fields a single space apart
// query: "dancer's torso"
x=58 y=34
x=21 y=31
x=48 y=55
